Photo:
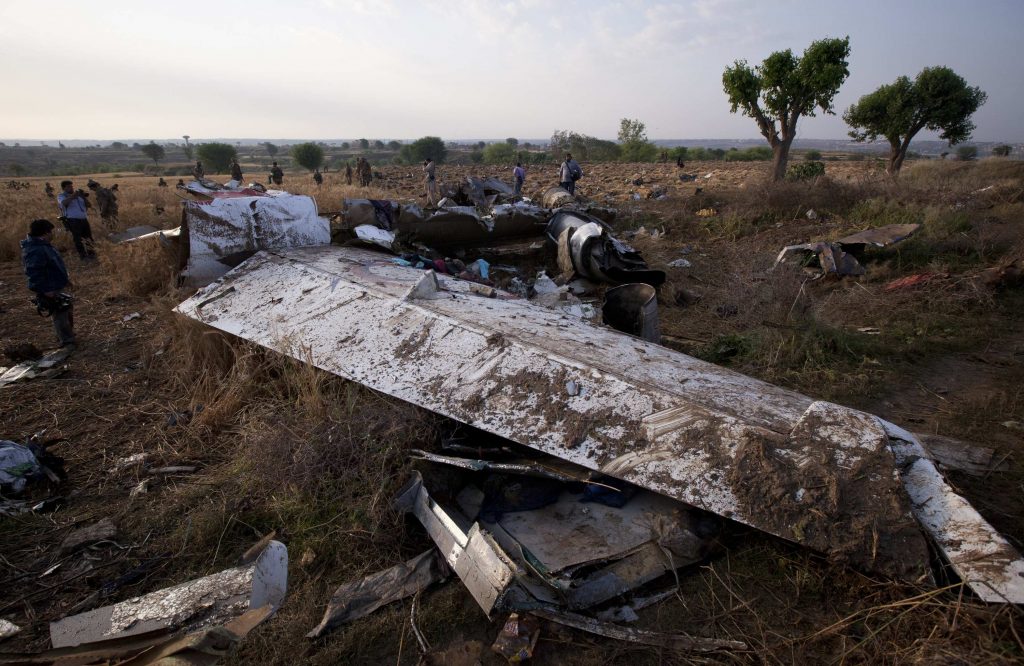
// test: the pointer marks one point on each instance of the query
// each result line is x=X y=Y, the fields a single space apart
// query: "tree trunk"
x=897 y=153
x=781 y=158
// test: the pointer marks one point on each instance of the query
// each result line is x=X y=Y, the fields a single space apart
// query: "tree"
x=635 y=146
x=188 y=146
x=308 y=155
x=785 y=87
x=118 y=145
x=364 y=144
x=422 y=148
x=378 y=144
x=271 y=148
x=345 y=145
x=1002 y=150
x=153 y=151
x=967 y=153
x=512 y=141
x=812 y=155
x=394 y=145
x=480 y=145
x=216 y=156
x=938 y=100
x=500 y=153
x=583 y=147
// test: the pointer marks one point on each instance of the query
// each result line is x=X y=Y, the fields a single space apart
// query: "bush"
x=967 y=153
x=500 y=153
x=812 y=155
x=1002 y=150
x=756 y=154
x=476 y=157
x=308 y=155
x=805 y=171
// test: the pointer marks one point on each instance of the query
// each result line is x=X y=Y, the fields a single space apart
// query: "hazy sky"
x=108 y=69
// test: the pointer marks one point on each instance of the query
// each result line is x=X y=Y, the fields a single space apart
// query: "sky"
x=461 y=69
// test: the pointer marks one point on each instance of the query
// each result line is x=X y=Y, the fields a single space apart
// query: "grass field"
x=282 y=446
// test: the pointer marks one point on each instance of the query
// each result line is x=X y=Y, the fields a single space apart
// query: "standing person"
x=276 y=175
x=318 y=178
x=519 y=173
x=47 y=277
x=73 y=204
x=197 y=171
x=348 y=173
x=430 y=169
x=365 y=173
x=106 y=200
x=236 y=171
x=568 y=173
x=48 y=189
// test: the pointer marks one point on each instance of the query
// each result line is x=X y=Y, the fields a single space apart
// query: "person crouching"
x=47 y=277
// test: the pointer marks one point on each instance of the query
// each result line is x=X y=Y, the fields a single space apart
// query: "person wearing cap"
x=73 y=205
x=48 y=277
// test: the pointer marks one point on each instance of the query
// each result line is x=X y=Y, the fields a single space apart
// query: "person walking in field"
x=276 y=175
x=568 y=173
x=318 y=178
x=73 y=205
x=47 y=278
x=348 y=173
x=197 y=171
x=519 y=174
x=430 y=170
x=236 y=172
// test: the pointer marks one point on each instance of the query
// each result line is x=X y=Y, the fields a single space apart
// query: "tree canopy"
x=308 y=155
x=583 y=147
x=422 y=148
x=216 y=156
x=635 y=146
x=938 y=100
x=153 y=151
x=271 y=148
x=785 y=87
x=500 y=153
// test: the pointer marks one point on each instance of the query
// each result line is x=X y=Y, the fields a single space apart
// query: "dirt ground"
x=279 y=446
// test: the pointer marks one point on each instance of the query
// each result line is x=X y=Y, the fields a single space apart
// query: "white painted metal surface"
x=235 y=222
x=197 y=603
x=811 y=472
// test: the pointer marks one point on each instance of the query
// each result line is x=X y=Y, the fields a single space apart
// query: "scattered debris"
x=103 y=530
x=133 y=233
x=679 y=642
x=633 y=309
x=811 y=214
x=680 y=263
x=844 y=256
x=517 y=639
x=131 y=317
x=18 y=467
x=8 y=629
x=48 y=366
x=359 y=598
x=869 y=330
x=595 y=254
x=707 y=212
x=191 y=606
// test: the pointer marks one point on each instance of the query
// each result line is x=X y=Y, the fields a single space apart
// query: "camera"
x=81 y=192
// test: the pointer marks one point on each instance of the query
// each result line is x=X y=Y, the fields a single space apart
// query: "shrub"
x=1002 y=150
x=806 y=171
x=499 y=153
x=967 y=153
x=308 y=155
x=812 y=155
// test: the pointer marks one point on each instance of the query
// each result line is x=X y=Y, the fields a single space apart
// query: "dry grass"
x=283 y=446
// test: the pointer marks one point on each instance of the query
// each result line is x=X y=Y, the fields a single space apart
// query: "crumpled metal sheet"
x=881 y=236
x=222 y=227
x=643 y=413
x=359 y=598
x=199 y=603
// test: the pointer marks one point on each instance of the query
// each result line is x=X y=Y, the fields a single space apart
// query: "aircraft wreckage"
x=842 y=482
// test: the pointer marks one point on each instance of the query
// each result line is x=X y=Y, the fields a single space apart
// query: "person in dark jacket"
x=48 y=277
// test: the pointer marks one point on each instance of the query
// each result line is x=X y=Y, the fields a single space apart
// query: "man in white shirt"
x=73 y=205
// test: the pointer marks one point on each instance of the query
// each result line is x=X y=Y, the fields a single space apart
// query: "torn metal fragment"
x=359 y=598
x=203 y=602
